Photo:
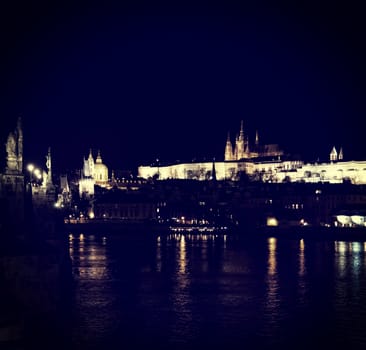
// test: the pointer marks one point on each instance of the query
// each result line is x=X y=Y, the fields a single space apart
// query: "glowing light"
x=272 y=221
x=341 y=247
x=37 y=172
x=343 y=219
x=30 y=167
x=356 y=247
x=358 y=219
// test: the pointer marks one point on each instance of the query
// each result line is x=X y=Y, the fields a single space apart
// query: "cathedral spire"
x=256 y=138
x=49 y=168
x=340 y=155
x=229 y=149
x=241 y=134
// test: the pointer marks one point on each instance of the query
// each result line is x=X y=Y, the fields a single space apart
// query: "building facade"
x=262 y=162
x=93 y=173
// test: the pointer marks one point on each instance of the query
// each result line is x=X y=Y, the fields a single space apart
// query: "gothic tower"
x=240 y=143
x=229 y=155
x=333 y=154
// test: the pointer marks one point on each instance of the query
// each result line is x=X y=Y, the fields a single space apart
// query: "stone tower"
x=240 y=143
x=12 y=186
x=229 y=155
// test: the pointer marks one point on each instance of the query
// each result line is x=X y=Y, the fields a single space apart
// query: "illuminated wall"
x=274 y=171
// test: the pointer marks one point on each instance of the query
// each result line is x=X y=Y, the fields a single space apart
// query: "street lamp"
x=38 y=174
x=34 y=171
x=30 y=168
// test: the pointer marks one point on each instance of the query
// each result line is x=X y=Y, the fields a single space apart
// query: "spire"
x=99 y=158
x=333 y=154
x=340 y=155
x=241 y=134
x=91 y=163
x=49 y=168
x=229 y=149
x=113 y=179
x=256 y=138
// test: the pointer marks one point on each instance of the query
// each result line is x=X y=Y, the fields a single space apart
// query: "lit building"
x=93 y=173
x=263 y=163
x=242 y=149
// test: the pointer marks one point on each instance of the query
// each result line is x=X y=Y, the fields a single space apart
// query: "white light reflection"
x=158 y=254
x=356 y=258
x=182 y=255
x=340 y=258
x=302 y=269
x=88 y=256
x=272 y=303
x=349 y=255
x=272 y=262
x=180 y=295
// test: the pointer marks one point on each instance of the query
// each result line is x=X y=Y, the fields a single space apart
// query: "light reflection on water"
x=185 y=290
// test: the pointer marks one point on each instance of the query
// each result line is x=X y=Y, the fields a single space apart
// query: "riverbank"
x=150 y=228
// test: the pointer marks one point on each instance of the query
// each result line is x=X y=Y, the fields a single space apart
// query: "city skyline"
x=141 y=82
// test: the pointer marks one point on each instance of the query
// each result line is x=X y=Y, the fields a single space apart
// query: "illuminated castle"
x=241 y=150
x=262 y=163
x=93 y=173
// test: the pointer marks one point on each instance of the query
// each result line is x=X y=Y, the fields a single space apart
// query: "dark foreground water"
x=217 y=292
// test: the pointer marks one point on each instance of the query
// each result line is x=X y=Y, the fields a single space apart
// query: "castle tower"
x=229 y=154
x=240 y=143
x=340 y=155
x=333 y=156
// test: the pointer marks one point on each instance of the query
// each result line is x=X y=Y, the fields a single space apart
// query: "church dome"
x=100 y=171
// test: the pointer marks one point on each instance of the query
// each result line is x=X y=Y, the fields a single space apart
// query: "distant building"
x=243 y=150
x=119 y=205
x=93 y=173
x=265 y=163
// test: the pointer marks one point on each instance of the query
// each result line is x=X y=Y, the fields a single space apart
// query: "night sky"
x=146 y=80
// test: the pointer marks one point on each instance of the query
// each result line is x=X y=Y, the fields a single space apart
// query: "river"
x=211 y=291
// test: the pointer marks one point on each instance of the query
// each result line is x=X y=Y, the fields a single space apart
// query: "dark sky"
x=146 y=80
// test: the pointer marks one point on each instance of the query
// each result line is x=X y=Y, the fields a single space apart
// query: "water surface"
x=212 y=291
